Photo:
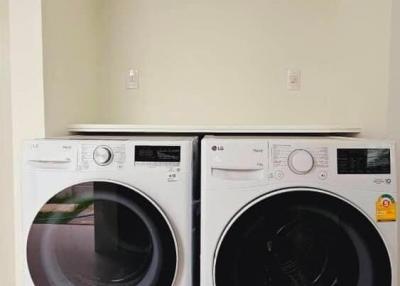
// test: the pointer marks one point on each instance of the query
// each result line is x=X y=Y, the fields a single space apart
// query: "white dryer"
x=114 y=211
x=298 y=212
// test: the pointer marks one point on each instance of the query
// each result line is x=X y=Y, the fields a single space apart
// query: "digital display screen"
x=363 y=161
x=164 y=154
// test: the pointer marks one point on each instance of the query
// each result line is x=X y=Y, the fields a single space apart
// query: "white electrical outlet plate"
x=293 y=79
x=132 y=80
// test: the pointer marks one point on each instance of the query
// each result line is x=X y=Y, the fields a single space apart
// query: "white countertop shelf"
x=213 y=129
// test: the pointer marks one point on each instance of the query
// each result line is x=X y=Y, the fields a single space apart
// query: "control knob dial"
x=301 y=161
x=103 y=155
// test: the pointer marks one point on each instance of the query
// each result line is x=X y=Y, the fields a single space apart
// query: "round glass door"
x=101 y=233
x=302 y=238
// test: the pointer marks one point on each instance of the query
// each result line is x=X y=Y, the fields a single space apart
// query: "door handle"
x=66 y=161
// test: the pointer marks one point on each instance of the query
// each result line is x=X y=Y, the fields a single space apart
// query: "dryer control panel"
x=157 y=155
x=95 y=155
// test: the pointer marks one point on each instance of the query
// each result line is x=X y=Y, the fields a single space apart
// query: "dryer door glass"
x=302 y=238
x=101 y=233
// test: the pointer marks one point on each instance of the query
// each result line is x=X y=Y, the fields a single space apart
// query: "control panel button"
x=301 y=161
x=323 y=175
x=103 y=155
x=279 y=175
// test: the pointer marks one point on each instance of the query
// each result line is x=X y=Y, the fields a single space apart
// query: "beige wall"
x=72 y=40
x=216 y=62
x=6 y=157
x=21 y=114
x=394 y=95
x=224 y=62
x=394 y=87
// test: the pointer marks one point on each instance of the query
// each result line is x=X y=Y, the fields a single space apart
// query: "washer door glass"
x=302 y=238
x=101 y=233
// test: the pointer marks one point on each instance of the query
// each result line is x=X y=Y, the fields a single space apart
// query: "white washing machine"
x=298 y=212
x=114 y=211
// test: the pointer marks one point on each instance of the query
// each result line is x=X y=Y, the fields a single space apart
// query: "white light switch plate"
x=132 y=79
x=293 y=79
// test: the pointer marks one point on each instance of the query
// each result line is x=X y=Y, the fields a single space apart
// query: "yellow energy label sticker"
x=386 y=208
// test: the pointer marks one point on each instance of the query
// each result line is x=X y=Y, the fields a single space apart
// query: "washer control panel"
x=299 y=160
x=246 y=162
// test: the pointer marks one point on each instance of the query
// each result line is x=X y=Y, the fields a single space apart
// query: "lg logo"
x=217 y=148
